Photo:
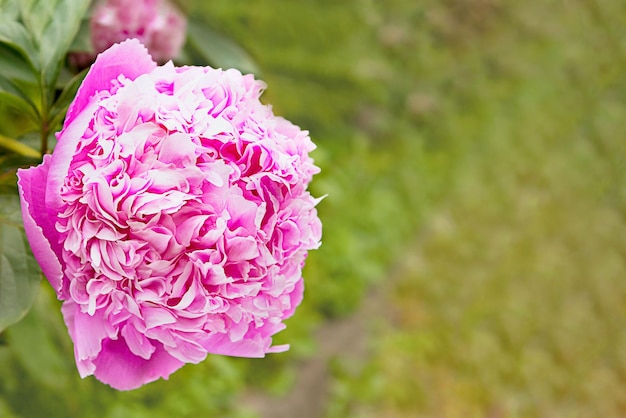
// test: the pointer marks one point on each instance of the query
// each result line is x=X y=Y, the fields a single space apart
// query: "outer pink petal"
x=118 y=367
x=39 y=222
x=86 y=331
x=296 y=297
x=62 y=157
x=128 y=58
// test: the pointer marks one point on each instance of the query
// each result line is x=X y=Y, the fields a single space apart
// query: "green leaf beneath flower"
x=33 y=342
x=20 y=274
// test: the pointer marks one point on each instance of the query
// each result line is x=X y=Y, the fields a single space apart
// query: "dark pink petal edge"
x=39 y=223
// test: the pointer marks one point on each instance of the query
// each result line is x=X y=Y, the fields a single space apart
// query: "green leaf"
x=18 y=147
x=11 y=162
x=53 y=24
x=15 y=35
x=13 y=96
x=34 y=344
x=20 y=274
x=217 y=50
x=9 y=165
x=82 y=40
x=36 y=15
x=14 y=66
x=10 y=8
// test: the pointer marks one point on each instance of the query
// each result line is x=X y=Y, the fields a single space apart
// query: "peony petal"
x=242 y=248
x=62 y=156
x=278 y=348
x=157 y=316
x=295 y=297
x=38 y=224
x=221 y=344
x=137 y=342
x=187 y=350
x=118 y=367
x=129 y=58
x=87 y=333
x=178 y=149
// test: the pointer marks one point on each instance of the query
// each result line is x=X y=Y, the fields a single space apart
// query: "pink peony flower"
x=173 y=218
x=155 y=23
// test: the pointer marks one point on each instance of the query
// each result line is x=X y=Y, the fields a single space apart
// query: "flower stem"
x=45 y=122
x=44 y=137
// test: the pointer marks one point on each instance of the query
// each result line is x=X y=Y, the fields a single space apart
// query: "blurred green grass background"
x=473 y=153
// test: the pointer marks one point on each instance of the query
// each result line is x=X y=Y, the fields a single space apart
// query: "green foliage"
x=19 y=272
x=50 y=26
x=14 y=35
x=34 y=38
x=14 y=66
x=12 y=96
x=18 y=147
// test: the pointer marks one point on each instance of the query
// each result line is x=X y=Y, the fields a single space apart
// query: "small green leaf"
x=20 y=274
x=13 y=34
x=217 y=50
x=59 y=27
x=18 y=103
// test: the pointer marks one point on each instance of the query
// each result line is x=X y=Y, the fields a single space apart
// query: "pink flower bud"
x=155 y=23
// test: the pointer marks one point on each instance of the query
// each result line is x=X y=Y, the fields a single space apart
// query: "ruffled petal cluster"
x=155 y=23
x=173 y=218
